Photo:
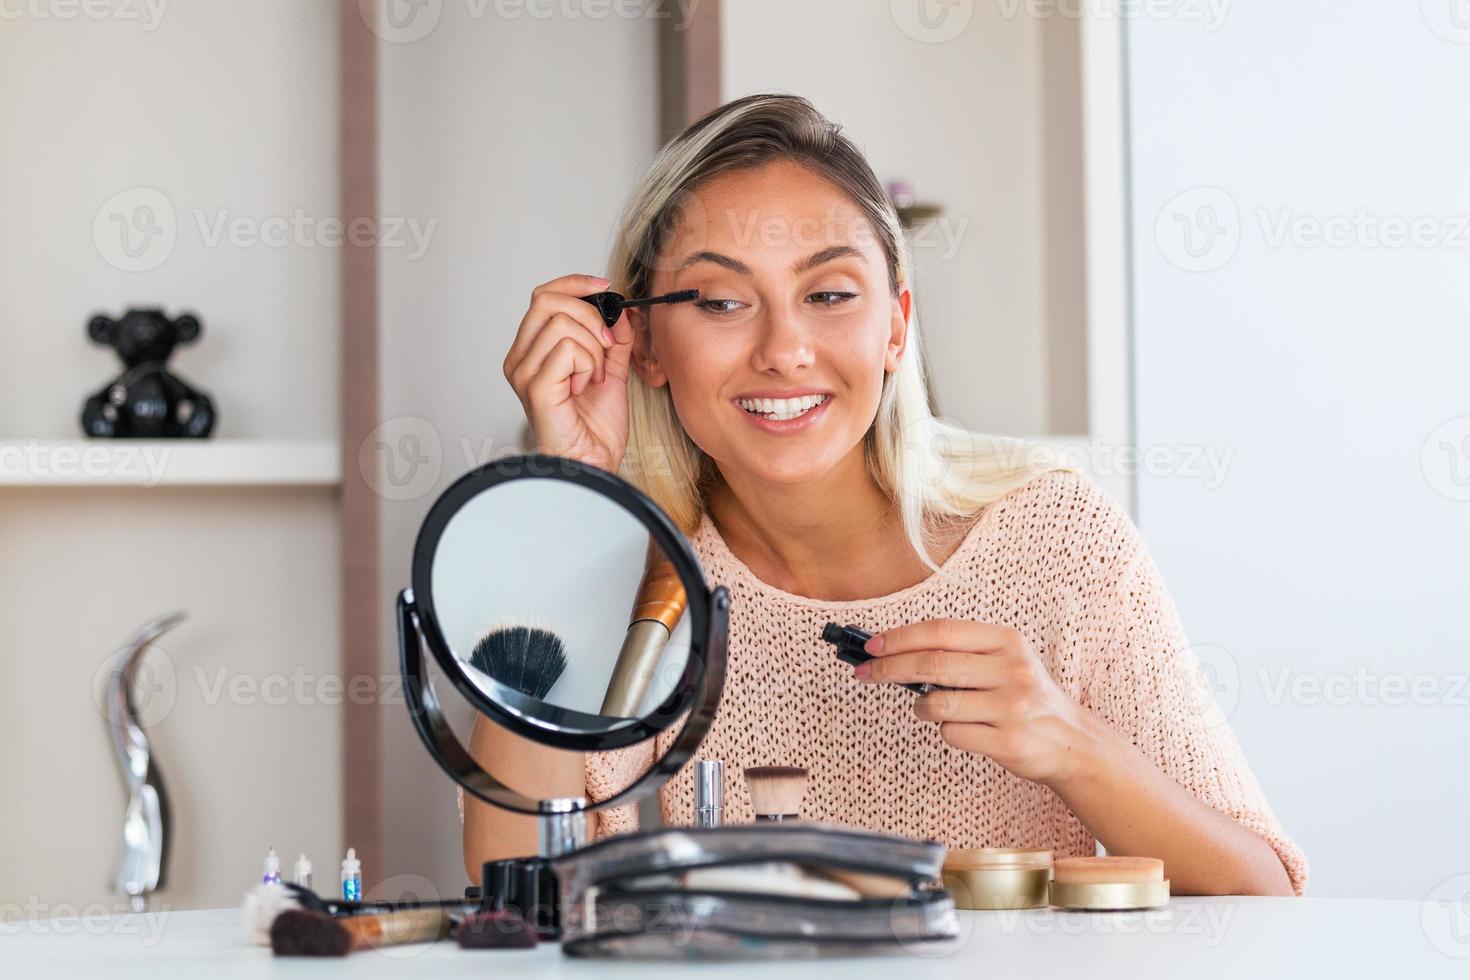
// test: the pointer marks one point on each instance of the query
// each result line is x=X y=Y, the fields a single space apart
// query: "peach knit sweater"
x=1055 y=559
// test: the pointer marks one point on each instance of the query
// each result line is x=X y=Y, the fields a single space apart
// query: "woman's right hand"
x=571 y=373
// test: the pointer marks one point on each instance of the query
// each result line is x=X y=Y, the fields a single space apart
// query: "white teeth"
x=781 y=409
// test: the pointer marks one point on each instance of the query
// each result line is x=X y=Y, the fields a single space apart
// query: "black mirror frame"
x=698 y=689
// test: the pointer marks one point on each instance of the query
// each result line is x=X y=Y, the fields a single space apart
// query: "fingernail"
x=874 y=644
x=607 y=335
x=605 y=282
x=861 y=671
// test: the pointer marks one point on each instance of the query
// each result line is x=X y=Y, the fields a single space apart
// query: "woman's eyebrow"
x=826 y=255
x=735 y=265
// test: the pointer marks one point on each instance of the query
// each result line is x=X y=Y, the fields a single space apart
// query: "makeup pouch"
x=753 y=891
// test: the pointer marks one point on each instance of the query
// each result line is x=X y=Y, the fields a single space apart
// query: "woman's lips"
x=786 y=426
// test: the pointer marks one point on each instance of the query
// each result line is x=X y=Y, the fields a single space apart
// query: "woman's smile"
x=782 y=413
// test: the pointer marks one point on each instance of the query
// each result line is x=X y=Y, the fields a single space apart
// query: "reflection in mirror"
x=555 y=591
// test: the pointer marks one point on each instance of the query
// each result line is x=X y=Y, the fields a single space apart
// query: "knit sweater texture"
x=1055 y=559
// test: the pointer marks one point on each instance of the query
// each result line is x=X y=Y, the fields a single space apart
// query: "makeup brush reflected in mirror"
x=529 y=659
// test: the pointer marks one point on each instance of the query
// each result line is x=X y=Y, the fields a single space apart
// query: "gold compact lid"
x=1108 y=870
x=979 y=858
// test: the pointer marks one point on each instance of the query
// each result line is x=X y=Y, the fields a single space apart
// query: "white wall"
x=521 y=137
x=218 y=107
x=964 y=118
x=1334 y=550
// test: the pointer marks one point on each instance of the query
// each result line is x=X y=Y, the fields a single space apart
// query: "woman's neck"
x=836 y=538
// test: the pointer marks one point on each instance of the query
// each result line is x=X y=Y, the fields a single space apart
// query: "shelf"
x=169 y=463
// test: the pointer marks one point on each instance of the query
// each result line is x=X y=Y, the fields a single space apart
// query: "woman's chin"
x=790 y=466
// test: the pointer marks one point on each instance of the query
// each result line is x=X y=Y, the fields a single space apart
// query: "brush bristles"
x=527 y=658
x=261 y=906
x=297 y=932
x=776 y=791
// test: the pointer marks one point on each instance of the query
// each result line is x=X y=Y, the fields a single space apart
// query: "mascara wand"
x=611 y=305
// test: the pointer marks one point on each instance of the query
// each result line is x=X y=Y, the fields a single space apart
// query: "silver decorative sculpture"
x=144 y=861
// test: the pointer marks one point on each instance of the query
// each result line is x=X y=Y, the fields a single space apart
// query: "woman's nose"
x=783 y=345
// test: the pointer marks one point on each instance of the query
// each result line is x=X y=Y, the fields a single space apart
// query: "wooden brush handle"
x=398 y=928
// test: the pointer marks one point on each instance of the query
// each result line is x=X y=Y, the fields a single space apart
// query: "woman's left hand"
x=1003 y=703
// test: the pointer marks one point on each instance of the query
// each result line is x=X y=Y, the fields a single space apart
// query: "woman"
x=784 y=421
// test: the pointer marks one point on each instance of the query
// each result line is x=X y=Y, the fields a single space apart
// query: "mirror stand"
x=528 y=884
x=493 y=550
x=562 y=827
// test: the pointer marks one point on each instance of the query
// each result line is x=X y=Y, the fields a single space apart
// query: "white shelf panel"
x=168 y=463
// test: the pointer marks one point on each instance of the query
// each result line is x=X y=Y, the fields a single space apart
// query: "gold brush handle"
x=661 y=595
x=399 y=928
x=657 y=606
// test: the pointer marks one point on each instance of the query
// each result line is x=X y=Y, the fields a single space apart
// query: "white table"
x=1240 y=938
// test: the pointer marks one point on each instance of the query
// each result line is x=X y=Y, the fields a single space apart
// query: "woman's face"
x=777 y=369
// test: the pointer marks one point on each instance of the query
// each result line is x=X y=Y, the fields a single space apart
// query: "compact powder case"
x=1109 y=883
x=994 y=878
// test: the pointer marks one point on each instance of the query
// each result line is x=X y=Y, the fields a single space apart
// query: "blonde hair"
x=935 y=472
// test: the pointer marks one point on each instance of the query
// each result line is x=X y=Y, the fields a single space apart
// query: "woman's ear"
x=898 y=329
x=645 y=361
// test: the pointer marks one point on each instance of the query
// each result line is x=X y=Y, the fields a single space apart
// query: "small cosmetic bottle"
x=270 y=868
x=351 y=877
x=301 y=874
x=709 y=793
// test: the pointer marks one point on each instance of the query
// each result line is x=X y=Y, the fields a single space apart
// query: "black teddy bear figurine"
x=146 y=401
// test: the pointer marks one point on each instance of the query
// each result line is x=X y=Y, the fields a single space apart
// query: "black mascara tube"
x=849 y=642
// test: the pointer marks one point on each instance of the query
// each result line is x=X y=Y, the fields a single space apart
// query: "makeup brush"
x=266 y=901
x=776 y=791
x=498 y=929
x=261 y=906
x=300 y=932
x=611 y=305
x=527 y=658
x=657 y=606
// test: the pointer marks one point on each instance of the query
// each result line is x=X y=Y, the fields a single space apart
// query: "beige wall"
x=223 y=107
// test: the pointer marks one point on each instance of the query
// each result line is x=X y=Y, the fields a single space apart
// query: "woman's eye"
x=718 y=306
x=830 y=297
